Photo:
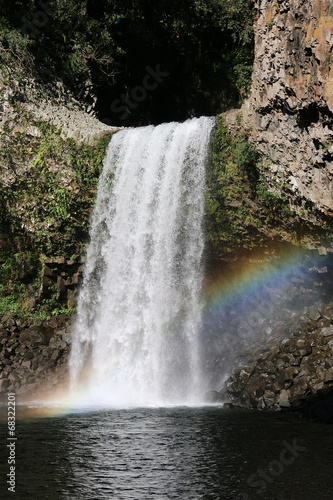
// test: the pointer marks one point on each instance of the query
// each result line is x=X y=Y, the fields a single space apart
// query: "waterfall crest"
x=135 y=341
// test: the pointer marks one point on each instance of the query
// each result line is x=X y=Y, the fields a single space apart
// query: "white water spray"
x=135 y=341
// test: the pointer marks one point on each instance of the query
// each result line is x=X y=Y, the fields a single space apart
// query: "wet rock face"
x=33 y=357
x=290 y=111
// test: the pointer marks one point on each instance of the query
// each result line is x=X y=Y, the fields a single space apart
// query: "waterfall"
x=136 y=336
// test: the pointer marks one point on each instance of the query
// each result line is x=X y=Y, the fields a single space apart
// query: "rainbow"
x=242 y=282
x=236 y=284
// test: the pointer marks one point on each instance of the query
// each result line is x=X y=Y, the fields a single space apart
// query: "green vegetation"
x=21 y=288
x=241 y=211
x=232 y=164
x=50 y=186
x=103 y=49
x=14 y=50
x=47 y=193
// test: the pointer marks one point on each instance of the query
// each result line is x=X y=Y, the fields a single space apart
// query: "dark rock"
x=256 y=387
x=13 y=377
x=36 y=335
x=55 y=355
x=27 y=364
x=229 y=406
x=35 y=363
x=283 y=399
x=28 y=355
x=269 y=398
x=48 y=271
x=4 y=384
x=71 y=298
x=305 y=351
x=328 y=375
x=329 y=363
x=314 y=314
x=301 y=382
x=62 y=291
x=326 y=332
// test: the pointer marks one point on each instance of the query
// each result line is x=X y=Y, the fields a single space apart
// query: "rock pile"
x=265 y=315
x=33 y=356
x=287 y=374
x=277 y=352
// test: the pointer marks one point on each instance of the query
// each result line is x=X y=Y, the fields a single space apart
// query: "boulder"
x=36 y=335
x=283 y=399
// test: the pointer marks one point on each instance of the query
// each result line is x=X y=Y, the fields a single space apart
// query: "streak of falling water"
x=135 y=341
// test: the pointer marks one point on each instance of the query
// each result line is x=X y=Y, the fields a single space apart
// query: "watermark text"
x=11 y=442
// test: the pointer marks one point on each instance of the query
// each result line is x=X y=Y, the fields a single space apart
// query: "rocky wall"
x=283 y=375
x=62 y=276
x=55 y=104
x=33 y=355
x=289 y=114
x=34 y=352
x=283 y=354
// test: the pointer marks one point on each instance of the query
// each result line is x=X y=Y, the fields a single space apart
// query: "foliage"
x=15 y=55
x=22 y=291
x=227 y=187
x=103 y=48
x=50 y=189
x=47 y=193
x=13 y=293
x=242 y=211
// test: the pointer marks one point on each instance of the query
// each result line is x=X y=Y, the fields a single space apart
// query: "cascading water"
x=135 y=340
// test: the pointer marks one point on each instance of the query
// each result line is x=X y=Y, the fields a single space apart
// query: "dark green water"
x=179 y=453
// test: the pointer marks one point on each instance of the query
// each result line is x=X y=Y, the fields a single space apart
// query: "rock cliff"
x=289 y=120
x=289 y=114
